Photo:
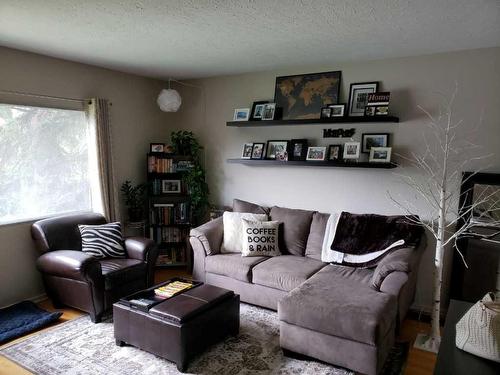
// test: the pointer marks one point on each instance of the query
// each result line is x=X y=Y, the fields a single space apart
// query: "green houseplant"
x=134 y=200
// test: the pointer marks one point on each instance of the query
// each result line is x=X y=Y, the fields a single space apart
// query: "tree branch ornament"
x=441 y=164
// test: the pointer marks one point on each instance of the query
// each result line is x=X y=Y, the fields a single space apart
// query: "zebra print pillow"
x=102 y=241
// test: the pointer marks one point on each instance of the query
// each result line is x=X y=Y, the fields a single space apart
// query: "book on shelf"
x=169 y=213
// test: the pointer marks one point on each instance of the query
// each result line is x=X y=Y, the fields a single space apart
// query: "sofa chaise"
x=342 y=315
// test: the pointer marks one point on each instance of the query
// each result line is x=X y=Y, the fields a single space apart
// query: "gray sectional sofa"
x=341 y=315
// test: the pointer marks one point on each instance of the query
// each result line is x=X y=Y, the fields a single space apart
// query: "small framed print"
x=269 y=111
x=171 y=186
x=241 y=114
x=358 y=97
x=275 y=147
x=298 y=149
x=257 y=151
x=338 y=110
x=257 y=110
x=247 y=151
x=326 y=112
x=369 y=140
x=351 y=150
x=316 y=153
x=157 y=147
x=334 y=152
x=380 y=155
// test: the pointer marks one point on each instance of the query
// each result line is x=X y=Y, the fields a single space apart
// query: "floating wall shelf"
x=328 y=164
x=326 y=121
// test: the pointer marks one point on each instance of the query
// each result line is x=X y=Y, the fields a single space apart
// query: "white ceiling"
x=189 y=38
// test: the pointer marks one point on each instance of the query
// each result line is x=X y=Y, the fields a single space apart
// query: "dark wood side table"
x=453 y=361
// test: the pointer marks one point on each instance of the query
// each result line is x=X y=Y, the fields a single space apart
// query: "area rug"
x=22 y=318
x=81 y=347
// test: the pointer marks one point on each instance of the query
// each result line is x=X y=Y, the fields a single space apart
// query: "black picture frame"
x=269 y=148
x=336 y=106
x=299 y=110
x=157 y=148
x=254 y=106
x=302 y=154
x=259 y=155
x=365 y=149
x=352 y=87
x=326 y=112
x=339 y=152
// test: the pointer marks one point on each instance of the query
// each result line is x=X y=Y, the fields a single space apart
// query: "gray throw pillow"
x=260 y=238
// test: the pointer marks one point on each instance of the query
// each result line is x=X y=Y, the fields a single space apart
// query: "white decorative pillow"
x=260 y=238
x=103 y=241
x=233 y=229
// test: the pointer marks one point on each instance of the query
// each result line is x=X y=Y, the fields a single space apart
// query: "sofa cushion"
x=244 y=206
x=362 y=275
x=316 y=235
x=117 y=272
x=285 y=272
x=232 y=265
x=296 y=226
x=336 y=305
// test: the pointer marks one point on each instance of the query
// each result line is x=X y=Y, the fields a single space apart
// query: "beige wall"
x=412 y=82
x=136 y=121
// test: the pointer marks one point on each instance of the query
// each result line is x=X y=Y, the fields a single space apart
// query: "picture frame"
x=170 y=186
x=335 y=152
x=257 y=151
x=289 y=94
x=241 y=114
x=351 y=150
x=369 y=140
x=316 y=153
x=156 y=147
x=298 y=149
x=268 y=111
x=257 y=110
x=358 y=97
x=274 y=147
x=246 y=153
x=326 y=112
x=338 y=110
x=380 y=155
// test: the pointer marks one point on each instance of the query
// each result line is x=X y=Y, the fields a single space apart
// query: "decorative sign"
x=378 y=104
x=338 y=133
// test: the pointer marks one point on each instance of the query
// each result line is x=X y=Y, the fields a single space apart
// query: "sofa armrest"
x=70 y=264
x=209 y=235
x=139 y=248
x=394 y=282
x=400 y=260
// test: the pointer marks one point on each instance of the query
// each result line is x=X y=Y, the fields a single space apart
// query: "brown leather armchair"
x=76 y=279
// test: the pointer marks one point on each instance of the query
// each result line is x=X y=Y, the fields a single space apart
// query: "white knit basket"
x=478 y=332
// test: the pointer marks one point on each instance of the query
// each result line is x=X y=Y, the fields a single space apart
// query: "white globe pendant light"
x=169 y=100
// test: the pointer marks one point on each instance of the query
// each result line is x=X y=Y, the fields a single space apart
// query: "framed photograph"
x=298 y=149
x=358 y=97
x=275 y=147
x=302 y=96
x=257 y=110
x=351 y=150
x=316 y=153
x=338 y=110
x=157 y=147
x=268 y=111
x=380 y=155
x=171 y=186
x=326 y=112
x=241 y=114
x=247 y=151
x=257 y=151
x=369 y=140
x=334 y=152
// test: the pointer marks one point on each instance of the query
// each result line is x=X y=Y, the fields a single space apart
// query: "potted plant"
x=134 y=200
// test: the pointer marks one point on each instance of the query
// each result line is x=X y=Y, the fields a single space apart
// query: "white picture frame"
x=171 y=186
x=268 y=111
x=241 y=114
x=338 y=110
x=352 y=150
x=316 y=153
x=380 y=155
x=246 y=153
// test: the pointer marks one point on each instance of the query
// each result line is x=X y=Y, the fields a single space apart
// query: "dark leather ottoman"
x=182 y=326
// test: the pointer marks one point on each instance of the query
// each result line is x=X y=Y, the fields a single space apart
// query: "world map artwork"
x=303 y=96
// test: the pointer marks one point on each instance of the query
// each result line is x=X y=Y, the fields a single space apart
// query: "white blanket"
x=331 y=256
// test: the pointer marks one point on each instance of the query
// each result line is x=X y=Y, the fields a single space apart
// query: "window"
x=48 y=163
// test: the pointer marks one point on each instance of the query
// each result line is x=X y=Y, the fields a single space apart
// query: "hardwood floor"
x=419 y=362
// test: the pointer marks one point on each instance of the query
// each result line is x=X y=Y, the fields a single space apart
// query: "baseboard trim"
x=39 y=298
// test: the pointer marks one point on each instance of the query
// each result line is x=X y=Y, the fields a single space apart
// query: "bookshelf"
x=169 y=212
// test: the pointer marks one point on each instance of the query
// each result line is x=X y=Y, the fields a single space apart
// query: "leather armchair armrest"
x=140 y=248
x=210 y=235
x=70 y=264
